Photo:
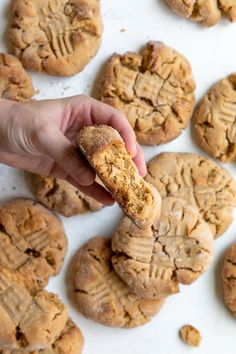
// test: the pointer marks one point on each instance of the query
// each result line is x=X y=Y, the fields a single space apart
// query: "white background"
x=212 y=54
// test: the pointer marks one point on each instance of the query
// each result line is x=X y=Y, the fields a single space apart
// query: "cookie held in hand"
x=106 y=153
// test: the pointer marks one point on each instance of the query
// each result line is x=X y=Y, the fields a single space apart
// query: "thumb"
x=60 y=149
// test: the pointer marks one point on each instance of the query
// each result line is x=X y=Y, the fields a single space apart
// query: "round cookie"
x=61 y=196
x=229 y=278
x=32 y=241
x=28 y=321
x=101 y=295
x=154 y=89
x=200 y=182
x=215 y=123
x=15 y=83
x=70 y=341
x=177 y=249
x=59 y=37
x=207 y=12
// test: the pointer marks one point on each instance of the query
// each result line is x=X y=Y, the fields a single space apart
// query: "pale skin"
x=39 y=137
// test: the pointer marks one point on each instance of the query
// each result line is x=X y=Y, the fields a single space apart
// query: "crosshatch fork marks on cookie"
x=59 y=37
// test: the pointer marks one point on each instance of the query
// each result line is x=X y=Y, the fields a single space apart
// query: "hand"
x=39 y=137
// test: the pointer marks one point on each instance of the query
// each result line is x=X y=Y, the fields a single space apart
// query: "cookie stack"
x=33 y=245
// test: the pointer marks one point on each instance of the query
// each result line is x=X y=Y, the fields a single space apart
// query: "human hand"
x=39 y=137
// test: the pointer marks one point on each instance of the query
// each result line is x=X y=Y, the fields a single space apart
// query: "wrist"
x=7 y=109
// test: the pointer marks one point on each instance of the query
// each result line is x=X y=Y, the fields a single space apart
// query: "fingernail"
x=85 y=178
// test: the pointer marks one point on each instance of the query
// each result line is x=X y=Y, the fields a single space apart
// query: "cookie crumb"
x=190 y=335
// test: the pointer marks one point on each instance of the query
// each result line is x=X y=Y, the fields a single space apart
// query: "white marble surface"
x=212 y=53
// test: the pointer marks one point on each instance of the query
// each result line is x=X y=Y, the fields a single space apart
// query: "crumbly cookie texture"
x=28 y=321
x=154 y=89
x=215 y=123
x=207 y=12
x=190 y=335
x=61 y=196
x=32 y=241
x=106 y=152
x=71 y=341
x=200 y=182
x=15 y=83
x=229 y=278
x=59 y=37
x=177 y=249
x=101 y=295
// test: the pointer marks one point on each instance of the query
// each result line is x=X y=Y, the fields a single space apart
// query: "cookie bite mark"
x=215 y=120
x=101 y=295
x=154 y=89
x=106 y=152
x=177 y=249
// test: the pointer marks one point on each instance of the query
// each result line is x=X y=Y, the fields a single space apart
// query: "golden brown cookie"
x=177 y=249
x=15 y=83
x=59 y=37
x=71 y=341
x=154 y=89
x=229 y=278
x=106 y=152
x=207 y=12
x=61 y=196
x=101 y=295
x=28 y=321
x=200 y=182
x=215 y=123
x=190 y=335
x=32 y=241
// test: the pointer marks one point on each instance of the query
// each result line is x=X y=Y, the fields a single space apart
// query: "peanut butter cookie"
x=61 y=196
x=207 y=12
x=177 y=249
x=154 y=89
x=59 y=37
x=106 y=152
x=32 y=241
x=229 y=278
x=15 y=83
x=71 y=341
x=215 y=120
x=200 y=182
x=28 y=321
x=101 y=295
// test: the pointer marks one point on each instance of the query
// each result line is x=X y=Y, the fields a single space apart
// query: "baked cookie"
x=28 y=321
x=177 y=249
x=200 y=182
x=154 y=89
x=106 y=152
x=190 y=335
x=207 y=12
x=215 y=123
x=15 y=83
x=61 y=196
x=32 y=241
x=71 y=341
x=101 y=295
x=229 y=278
x=59 y=37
